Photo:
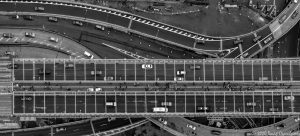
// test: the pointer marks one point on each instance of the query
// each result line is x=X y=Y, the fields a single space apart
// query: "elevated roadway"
x=95 y=104
x=161 y=71
x=158 y=30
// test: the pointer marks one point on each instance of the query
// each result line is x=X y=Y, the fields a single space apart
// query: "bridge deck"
x=227 y=70
x=142 y=103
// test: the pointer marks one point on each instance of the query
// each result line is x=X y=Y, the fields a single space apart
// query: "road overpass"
x=157 y=30
x=141 y=103
x=160 y=70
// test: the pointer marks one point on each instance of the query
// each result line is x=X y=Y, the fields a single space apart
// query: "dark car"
x=30 y=18
x=10 y=66
x=41 y=72
x=215 y=132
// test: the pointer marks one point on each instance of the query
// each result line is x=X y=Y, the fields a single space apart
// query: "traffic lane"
x=286 y=71
x=177 y=38
x=151 y=102
x=91 y=103
x=80 y=103
x=247 y=66
x=37 y=132
x=264 y=32
x=60 y=104
x=118 y=20
x=80 y=129
x=239 y=102
x=296 y=71
x=131 y=104
x=70 y=100
x=229 y=104
x=141 y=27
x=39 y=104
x=52 y=8
x=104 y=125
x=259 y=100
x=141 y=103
x=296 y=103
x=220 y=103
x=249 y=103
x=100 y=104
x=211 y=45
x=180 y=102
x=9 y=7
x=190 y=103
x=251 y=50
x=18 y=104
x=93 y=14
x=234 y=53
x=210 y=103
x=170 y=97
x=247 y=41
x=120 y=100
x=228 y=44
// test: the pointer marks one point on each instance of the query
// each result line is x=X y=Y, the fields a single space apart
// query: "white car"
x=251 y=103
x=191 y=126
x=26 y=98
x=89 y=55
x=289 y=98
x=30 y=34
x=53 y=39
x=147 y=66
x=163 y=121
x=180 y=72
x=178 y=79
x=96 y=89
x=78 y=23
x=60 y=129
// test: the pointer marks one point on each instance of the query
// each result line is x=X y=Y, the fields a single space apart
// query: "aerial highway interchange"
x=229 y=63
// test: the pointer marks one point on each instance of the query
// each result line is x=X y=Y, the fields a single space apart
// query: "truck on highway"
x=282 y=19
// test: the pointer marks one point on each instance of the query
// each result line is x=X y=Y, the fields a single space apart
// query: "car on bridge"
x=160 y=109
x=7 y=35
x=180 y=73
x=251 y=104
x=289 y=98
x=111 y=104
x=11 y=66
x=40 y=9
x=109 y=78
x=163 y=121
x=256 y=38
x=93 y=73
x=280 y=126
x=203 y=109
x=30 y=18
x=294 y=14
x=10 y=53
x=30 y=34
x=191 y=126
x=166 y=103
x=99 y=27
x=147 y=66
x=52 y=19
x=89 y=55
x=53 y=39
x=59 y=129
x=42 y=71
x=97 y=89
x=26 y=98
x=196 y=67
x=178 y=79
x=78 y=23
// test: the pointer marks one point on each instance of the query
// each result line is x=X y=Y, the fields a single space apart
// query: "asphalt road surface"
x=144 y=102
x=228 y=70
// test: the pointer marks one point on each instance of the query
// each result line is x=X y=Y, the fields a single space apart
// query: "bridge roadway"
x=120 y=70
x=153 y=29
x=141 y=103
